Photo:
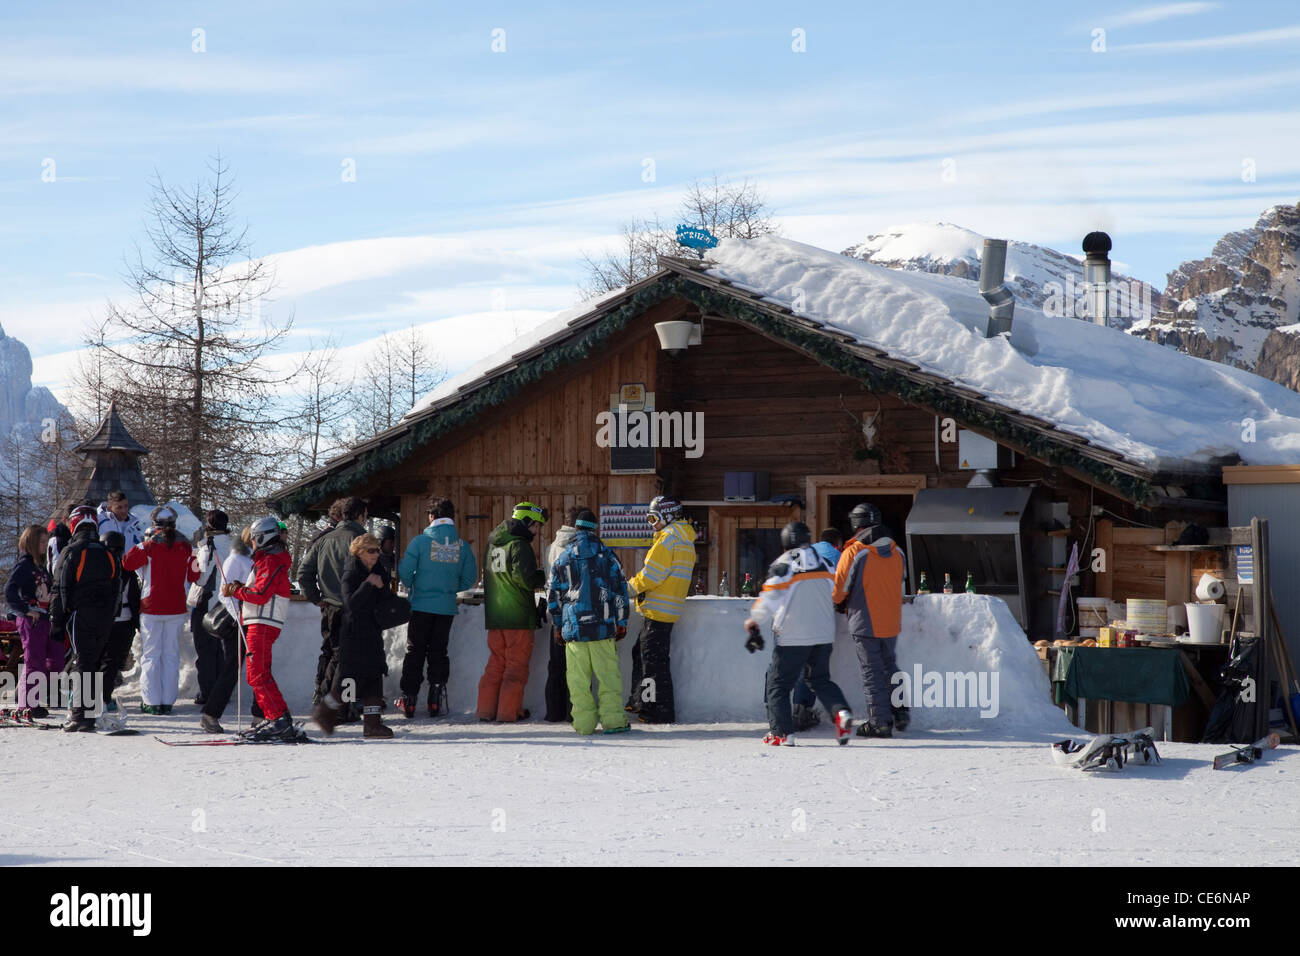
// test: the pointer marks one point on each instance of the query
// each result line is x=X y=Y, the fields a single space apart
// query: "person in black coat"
x=85 y=602
x=125 y=624
x=361 y=641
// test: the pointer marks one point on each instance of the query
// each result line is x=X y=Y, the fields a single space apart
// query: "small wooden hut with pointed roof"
x=111 y=459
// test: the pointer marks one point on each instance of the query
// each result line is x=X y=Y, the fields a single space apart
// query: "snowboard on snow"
x=1107 y=751
x=1247 y=754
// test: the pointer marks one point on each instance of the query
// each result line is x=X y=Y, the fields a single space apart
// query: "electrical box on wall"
x=975 y=452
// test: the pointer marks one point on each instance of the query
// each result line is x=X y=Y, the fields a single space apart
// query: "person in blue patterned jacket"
x=587 y=596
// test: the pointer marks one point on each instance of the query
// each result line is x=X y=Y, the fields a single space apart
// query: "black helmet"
x=387 y=533
x=794 y=534
x=865 y=515
x=665 y=508
x=115 y=541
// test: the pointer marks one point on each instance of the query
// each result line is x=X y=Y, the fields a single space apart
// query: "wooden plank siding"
x=766 y=407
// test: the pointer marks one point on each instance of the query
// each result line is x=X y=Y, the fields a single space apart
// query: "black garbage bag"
x=1233 y=719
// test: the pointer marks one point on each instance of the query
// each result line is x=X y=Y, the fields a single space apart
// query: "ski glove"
x=620 y=632
x=755 y=642
x=541 y=610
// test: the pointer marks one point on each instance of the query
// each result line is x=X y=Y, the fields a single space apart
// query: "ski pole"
x=243 y=646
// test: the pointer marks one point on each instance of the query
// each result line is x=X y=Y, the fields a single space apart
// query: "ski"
x=21 y=718
x=1247 y=754
x=236 y=740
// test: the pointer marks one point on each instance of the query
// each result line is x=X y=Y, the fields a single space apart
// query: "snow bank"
x=1134 y=397
x=714 y=678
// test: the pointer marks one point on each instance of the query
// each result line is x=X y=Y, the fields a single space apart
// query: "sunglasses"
x=372 y=550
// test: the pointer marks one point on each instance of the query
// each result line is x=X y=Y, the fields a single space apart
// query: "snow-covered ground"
x=981 y=790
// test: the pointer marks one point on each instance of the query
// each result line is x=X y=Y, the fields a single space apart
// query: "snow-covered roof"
x=1138 y=399
x=1123 y=401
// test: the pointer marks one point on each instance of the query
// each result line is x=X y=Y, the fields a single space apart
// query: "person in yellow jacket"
x=660 y=591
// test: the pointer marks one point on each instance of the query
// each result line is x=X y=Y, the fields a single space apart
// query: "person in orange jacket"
x=869 y=589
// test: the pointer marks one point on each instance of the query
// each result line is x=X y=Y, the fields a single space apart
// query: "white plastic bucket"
x=1204 y=623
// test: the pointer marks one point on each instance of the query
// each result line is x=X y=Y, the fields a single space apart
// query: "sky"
x=447 y=165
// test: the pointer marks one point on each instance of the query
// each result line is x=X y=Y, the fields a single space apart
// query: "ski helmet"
x=527 y=511
x=115 y=541
x=865 y=515
x=665 y=509
x=79 y=514
x=265 y=530
x=794 y=534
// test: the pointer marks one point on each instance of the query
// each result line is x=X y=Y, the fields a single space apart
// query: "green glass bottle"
x=970 y=583
x=924 y=586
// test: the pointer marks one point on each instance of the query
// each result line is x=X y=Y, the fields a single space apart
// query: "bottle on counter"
x=699 y=583
x=747 y=587
x=947 y=582
x=724 y=586
x=970 y=583
x=924 y=586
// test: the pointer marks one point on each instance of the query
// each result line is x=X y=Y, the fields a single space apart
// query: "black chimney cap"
x=1096 y=242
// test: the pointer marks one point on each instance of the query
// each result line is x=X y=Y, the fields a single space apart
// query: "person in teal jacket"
x=436 y=565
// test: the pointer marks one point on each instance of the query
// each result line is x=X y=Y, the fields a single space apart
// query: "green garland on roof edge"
x=825 y=350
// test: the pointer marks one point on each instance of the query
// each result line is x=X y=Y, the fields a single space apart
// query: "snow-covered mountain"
x=1241 y=303
x=1041 y=278
x=22 y=407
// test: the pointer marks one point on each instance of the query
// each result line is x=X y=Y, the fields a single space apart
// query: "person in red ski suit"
x=264 y=604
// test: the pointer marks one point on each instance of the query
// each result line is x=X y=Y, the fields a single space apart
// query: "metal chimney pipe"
x=1096 y=272
x=993 y=268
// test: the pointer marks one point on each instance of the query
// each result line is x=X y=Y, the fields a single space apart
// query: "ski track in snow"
x=684 y=795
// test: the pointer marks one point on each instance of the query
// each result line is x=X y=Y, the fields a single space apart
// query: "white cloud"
x=26 y=73
x=1154 y=14
x=1224 y=41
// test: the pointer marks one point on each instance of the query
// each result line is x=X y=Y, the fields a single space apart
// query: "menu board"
x=625 y=526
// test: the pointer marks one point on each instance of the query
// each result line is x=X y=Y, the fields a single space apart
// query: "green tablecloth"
x=1142 y=675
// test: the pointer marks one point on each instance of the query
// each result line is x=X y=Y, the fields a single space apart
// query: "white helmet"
x=265 y=530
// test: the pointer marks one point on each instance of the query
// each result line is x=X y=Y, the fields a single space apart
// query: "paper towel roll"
x=1209 y=588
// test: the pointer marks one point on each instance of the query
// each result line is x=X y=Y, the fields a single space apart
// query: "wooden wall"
x=766 y=407
x=540 y=447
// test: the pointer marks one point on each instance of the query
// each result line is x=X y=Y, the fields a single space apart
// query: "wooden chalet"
x=781 y=396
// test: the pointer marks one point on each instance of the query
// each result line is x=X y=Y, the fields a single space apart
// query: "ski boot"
x=270 y=731
x=843 y=726
x=37 y=713
x=777 y=740
x=902 y=717
x=805 y=717
x=406 y=705
x=437 y=700
x=873 y=729
x=164 y=709
x=618 y=730
x=153 y=710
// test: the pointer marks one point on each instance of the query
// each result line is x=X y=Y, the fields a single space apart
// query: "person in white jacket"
x=115 y=515
x=796 y=604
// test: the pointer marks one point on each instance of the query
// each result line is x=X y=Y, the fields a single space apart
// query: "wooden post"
x=1263 y=626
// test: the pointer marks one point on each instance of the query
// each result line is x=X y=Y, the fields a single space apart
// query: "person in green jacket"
x=510 y=611
x=436 y=565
